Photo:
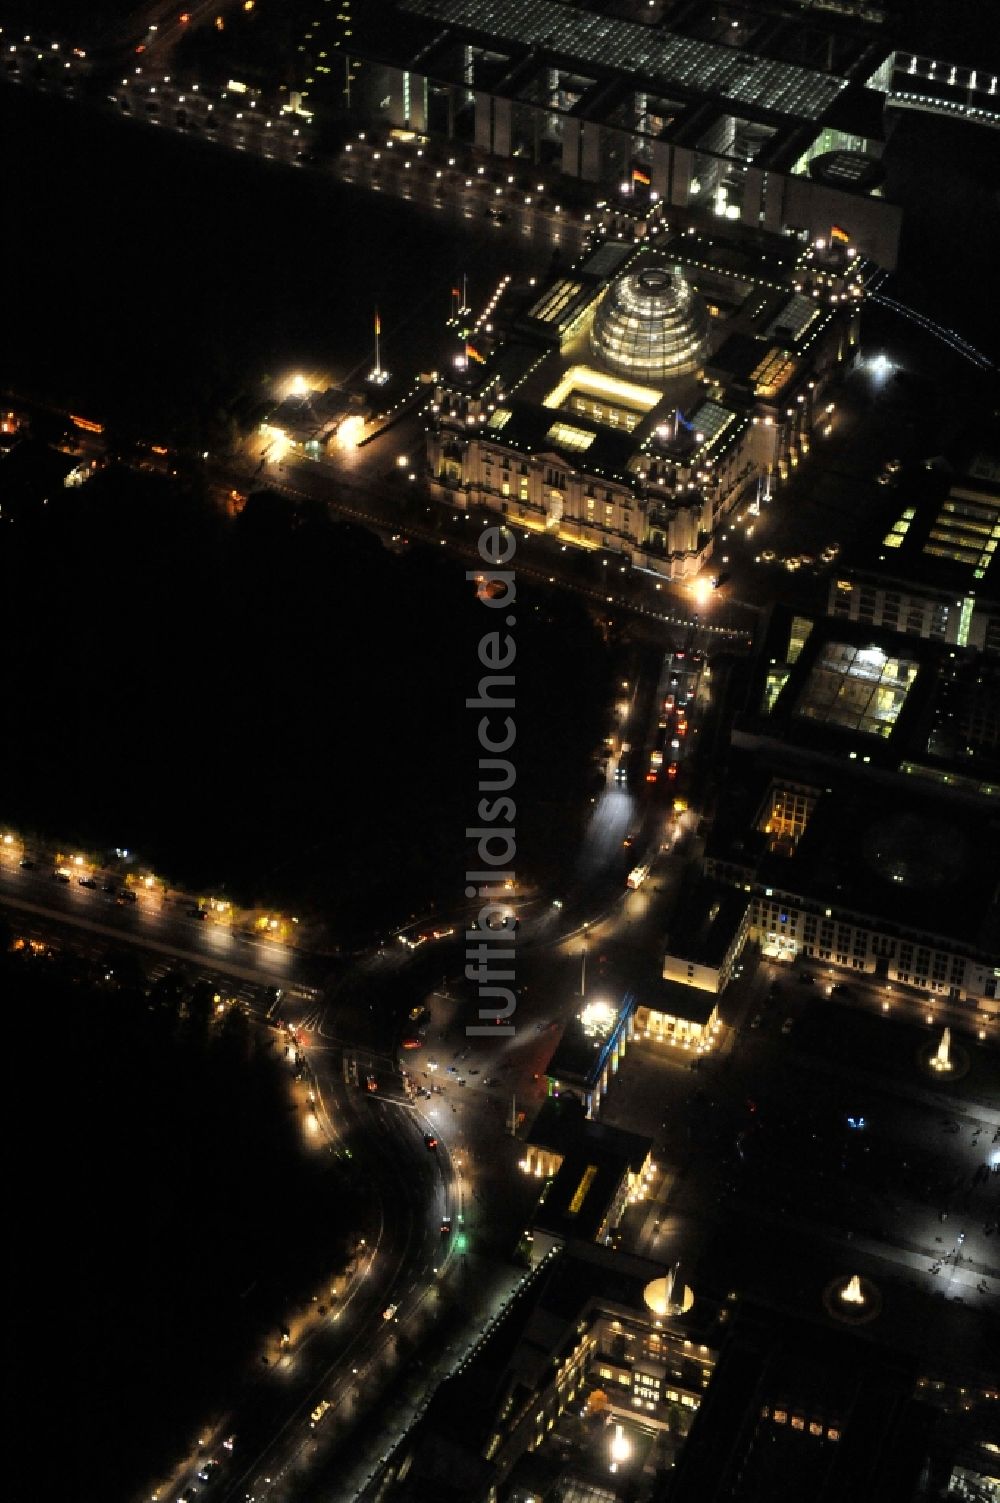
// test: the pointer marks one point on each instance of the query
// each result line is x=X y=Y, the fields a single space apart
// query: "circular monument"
x=651 y=325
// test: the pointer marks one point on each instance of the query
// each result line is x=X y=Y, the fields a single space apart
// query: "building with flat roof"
x=902 y=883
x=633 y=401
x=739 y=114
x=797 y=1409
x=931 y=567
x=587 y=1185
x=707 y=930
x=584 y=1355
x=846 y=695
x=306 y=422
x=672 y=1012
x=590 y=1050
x=706 y=933
x=599 y=1385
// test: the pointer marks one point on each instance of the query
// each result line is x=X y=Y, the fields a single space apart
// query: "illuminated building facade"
x=590 y=1174
x=631 y=403
x=305 y=423
x=717 y=115
x=862 y=811
x=579 y=1338
x=650 y=326
x=590 y=1050
x=932 y=569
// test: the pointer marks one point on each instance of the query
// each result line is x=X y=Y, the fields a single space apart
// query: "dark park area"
x=275 y=703
x=165 y=1220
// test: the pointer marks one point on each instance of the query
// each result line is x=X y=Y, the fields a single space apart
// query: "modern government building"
x=648 y=389
x=776 y=121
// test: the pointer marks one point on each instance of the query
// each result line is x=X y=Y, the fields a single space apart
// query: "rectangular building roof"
x=588 y=1181
x=672 y=60
x=705 y=922
x=938 y=538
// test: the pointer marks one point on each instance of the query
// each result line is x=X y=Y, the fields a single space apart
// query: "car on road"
x=189 y=1494
x=788 y=1025
x=208 y=1471
x=321 y=1408
x=768 y=556
x=371 y=1083
x=86 y=882
x=389 y=1312
x=125 y=895
x=840 y=989
x=27 y=865
x=430 y=1142
x=446 y=1226
x=806 y=978
x=413 y=1042
x=60 y=876
x=757 y=1020
x=198 y=913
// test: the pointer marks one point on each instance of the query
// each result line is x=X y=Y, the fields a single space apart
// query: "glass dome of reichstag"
x=650 y=325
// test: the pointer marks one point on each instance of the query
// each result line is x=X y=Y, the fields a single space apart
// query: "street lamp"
x=620 y=1448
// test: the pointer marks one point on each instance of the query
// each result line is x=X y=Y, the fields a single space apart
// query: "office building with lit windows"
x=608 y=1378
x=601 y=1358
x=902 y=889
x=734 y=113
x=799 y=1409
x=857 y=698
x=931 y=567
x=634 y=400
x=861 y=810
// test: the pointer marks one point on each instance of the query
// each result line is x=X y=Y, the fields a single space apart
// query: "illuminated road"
x=159 y=925
x=354 y=1347
x=381 y=1141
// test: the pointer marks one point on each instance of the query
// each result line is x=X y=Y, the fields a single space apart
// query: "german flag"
x=838 y=236
x=640 y=176
x=471 y=353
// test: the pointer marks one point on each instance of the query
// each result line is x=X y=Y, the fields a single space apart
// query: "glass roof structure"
x=967 y=530
x=565 y=436
x=650 y=324
x=793 y=318
x=857 y=688
x=674 y=61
